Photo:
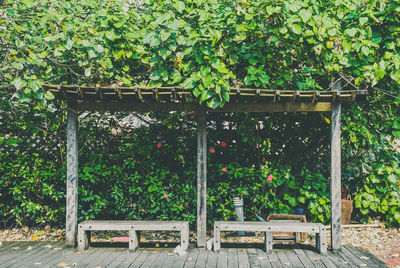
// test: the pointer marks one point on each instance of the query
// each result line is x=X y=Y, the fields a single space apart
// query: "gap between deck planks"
x=16 y=255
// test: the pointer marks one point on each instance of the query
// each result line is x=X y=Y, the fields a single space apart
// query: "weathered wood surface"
x=190 y=107
x=72 y=179
x=85 y=228
x=268 y=228
x=56 y=254
x=201 y=179
x=336 y=174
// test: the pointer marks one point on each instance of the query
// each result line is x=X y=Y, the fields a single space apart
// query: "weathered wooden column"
x=72 y=179
x=201 y=179
x=336 y=175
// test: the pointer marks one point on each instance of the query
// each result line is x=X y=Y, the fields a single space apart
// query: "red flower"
x=223 y=144
x=212 y=150
x=159 y=144
x=116 y=137
x=165 y=196
x=193 y=117
x=270 y=177
x=223 y=169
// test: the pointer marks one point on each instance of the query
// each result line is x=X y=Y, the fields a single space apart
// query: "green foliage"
x=205 y=45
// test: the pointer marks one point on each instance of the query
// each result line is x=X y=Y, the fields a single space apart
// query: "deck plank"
x=253 y=258
x=303 y=258
x=293 y=259
x=122 y=258
x=282 y=257
x=26 y=251
x=233 y=261
x=363 y=253
x=227 y=257
x=12 y=251
x=161 y=259
x=338 y=260
x=138 y=261
x=356 y=259
x=222 y=261
x=39 y=255
x=212 y=259
x=274 y=260
x=202 y=258
x=191 y=259
x=315 y=258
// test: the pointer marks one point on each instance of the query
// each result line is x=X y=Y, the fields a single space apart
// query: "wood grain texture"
x=201 y=179
x=336 y=174
x=42 y=255
x=71 y=226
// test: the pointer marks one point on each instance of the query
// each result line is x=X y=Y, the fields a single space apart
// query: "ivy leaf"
x=180 y=6
x=111 y=35
x=305 y=14
x=296 y=28
x=351 y=32
x=176 y=77
x=99 y=48
x=396 y=133
x=363 y=20
x=189 y=83
x=88 y=71
x=68 y=44
x=48 y=95
x=155 y=75
x=18 y=83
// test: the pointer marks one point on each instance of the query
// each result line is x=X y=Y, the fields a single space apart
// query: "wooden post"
x=336 y=210
x=72 y=179
x=201 y=179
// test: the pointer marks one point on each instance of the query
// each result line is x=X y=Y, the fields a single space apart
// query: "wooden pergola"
x=166 y=99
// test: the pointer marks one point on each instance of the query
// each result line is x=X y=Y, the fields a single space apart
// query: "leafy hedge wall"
x=275 y=162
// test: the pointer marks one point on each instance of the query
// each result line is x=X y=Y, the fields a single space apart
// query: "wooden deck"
x=54 y=254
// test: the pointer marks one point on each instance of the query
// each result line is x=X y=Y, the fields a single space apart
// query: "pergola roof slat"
x=179 y=98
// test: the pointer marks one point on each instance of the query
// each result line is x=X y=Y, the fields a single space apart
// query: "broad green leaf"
x=48 y=95
x=305 y=14
x=351 y=32
x=155 y=75
x=189 y=83
x=296 y=28
x=18 y=83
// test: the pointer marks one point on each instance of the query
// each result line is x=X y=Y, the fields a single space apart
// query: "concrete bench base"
x=268 y=228
x=85 y=228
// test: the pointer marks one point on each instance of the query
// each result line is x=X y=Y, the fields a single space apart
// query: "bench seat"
x=85 y=228
x=268 y=228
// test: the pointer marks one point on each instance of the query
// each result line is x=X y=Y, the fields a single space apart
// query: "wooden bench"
x=85 y=228
x=268 y=228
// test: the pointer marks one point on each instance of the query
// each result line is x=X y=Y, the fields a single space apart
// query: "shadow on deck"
x=55 y=254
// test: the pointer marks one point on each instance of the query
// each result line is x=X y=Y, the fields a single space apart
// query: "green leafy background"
x=206 y=46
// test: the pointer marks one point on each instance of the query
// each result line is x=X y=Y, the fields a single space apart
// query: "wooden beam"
x=201 y=179
x=72 y=179
x=187 y=107
x=336 y=210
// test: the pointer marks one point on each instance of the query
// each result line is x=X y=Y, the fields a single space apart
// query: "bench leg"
x=321 y=241
x=217 y=237
x=185 y=235
x=133 y=240
x=268 y=242
x=81 y=239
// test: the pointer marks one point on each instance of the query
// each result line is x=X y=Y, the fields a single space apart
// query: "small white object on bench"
x=85 y=228
x=268 y=228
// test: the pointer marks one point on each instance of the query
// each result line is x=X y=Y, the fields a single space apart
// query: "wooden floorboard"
x=192 y=258
x=233 y=258
x=363 y=254
x=222 y=261
x=55 y=254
